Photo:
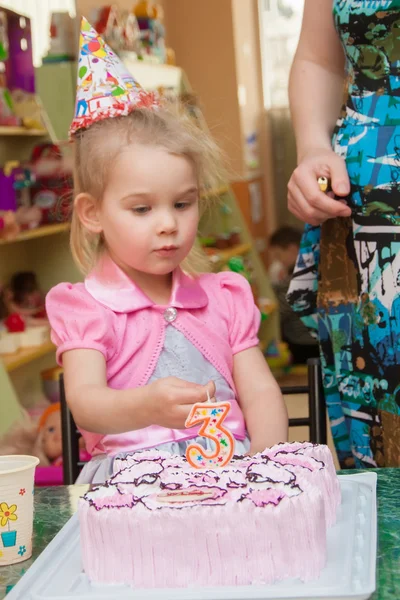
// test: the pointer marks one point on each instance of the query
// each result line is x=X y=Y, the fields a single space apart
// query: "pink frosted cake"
x=160 y=523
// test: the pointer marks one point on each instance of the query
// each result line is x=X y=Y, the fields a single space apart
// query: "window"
x=280 y=24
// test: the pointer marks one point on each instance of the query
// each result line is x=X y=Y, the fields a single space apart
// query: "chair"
x=316 y=420
x=70 y=440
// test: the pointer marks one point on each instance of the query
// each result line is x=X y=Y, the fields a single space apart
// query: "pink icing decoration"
x=264 y=497
x=115 y=500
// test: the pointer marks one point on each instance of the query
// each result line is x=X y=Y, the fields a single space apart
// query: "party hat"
x=105 y=88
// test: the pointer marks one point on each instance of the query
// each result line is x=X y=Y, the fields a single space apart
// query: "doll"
x=42 y=439
x=50 y=435
x=23 y=296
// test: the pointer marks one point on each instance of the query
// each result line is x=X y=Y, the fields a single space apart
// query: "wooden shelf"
x=225 y=255
x=22 y=131
x=25 y=356
x=39 y=232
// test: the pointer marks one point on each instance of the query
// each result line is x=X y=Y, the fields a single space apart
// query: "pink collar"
x=110 y=286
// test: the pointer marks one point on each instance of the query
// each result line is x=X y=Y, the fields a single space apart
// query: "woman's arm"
x=100 y=409
x=316 y=78
x=316 y=93
x=260 y=400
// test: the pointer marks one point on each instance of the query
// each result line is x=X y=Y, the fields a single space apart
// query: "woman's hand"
x=171 y=400
x=305 y=199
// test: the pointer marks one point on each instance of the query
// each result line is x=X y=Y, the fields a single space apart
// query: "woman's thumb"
x=339 y=177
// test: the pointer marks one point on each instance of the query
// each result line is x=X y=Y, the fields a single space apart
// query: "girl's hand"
x=305 y=199
x=171 y=399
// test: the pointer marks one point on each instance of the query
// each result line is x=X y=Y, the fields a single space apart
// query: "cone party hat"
x=105 y=88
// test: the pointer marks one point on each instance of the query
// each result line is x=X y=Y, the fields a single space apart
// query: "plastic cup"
x=16 y=507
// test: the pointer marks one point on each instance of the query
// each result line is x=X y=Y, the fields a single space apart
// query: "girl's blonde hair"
x=96 y=148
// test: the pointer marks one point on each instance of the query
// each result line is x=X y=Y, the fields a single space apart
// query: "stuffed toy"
x=42 y=439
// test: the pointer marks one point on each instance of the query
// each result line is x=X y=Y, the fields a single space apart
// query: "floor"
x=297 y=406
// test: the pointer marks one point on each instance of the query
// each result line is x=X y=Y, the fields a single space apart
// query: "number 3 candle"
x=211 y=415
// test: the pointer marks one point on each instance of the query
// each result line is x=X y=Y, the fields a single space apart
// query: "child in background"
x=284 y=247
x=146 y=336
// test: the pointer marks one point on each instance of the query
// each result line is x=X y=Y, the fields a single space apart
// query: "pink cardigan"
x=109 y=313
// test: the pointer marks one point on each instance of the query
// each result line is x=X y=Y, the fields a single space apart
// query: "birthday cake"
x=159 y=522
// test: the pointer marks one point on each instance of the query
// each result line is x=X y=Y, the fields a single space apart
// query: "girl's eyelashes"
x=182 y=205
x=141 y=210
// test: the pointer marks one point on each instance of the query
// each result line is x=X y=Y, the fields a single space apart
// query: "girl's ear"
x=86 y=208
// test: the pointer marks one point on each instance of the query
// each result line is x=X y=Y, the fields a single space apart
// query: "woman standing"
x=346 y=283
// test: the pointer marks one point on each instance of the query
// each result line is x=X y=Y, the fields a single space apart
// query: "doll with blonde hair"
x=147 y=335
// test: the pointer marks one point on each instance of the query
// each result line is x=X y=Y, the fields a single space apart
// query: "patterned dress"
x=346 y=284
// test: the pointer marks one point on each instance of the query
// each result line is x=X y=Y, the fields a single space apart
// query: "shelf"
x=39 y=232
x=22 y=131
x=218 y=256
x=25 y=356
x=153 y=76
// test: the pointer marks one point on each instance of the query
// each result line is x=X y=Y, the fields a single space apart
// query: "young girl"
x=144 y=338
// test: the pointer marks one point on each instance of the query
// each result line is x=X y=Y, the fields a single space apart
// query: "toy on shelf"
x=8 y=188
x=38 y=192
x=236 y=265
x=25 y=324
x=139 y=31
x=278 y=356
x=50 y=441
x=42 y=439
x=8 y=118
x=131 y=34
x=15 y=182
x=28 y=109
x=52 y=187
x=229 y=236
x=119 y=29
x=152 y=33
x=9 y=228
x=106 y=21
x=24 y=297
x=50 y=430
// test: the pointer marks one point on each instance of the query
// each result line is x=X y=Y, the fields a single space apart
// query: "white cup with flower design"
x=17 y=474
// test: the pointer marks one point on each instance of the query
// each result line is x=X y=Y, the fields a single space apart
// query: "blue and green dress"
x=346 y=285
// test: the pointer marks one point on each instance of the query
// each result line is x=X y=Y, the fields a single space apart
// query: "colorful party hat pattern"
x=105 y=88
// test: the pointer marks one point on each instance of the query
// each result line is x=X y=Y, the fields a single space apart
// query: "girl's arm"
x=100 y=409
x=260 y=399
x=316 y=94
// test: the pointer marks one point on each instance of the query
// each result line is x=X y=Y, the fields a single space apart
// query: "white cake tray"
x=57 y=574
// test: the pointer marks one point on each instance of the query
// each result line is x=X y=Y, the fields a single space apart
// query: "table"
x=55 y=505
